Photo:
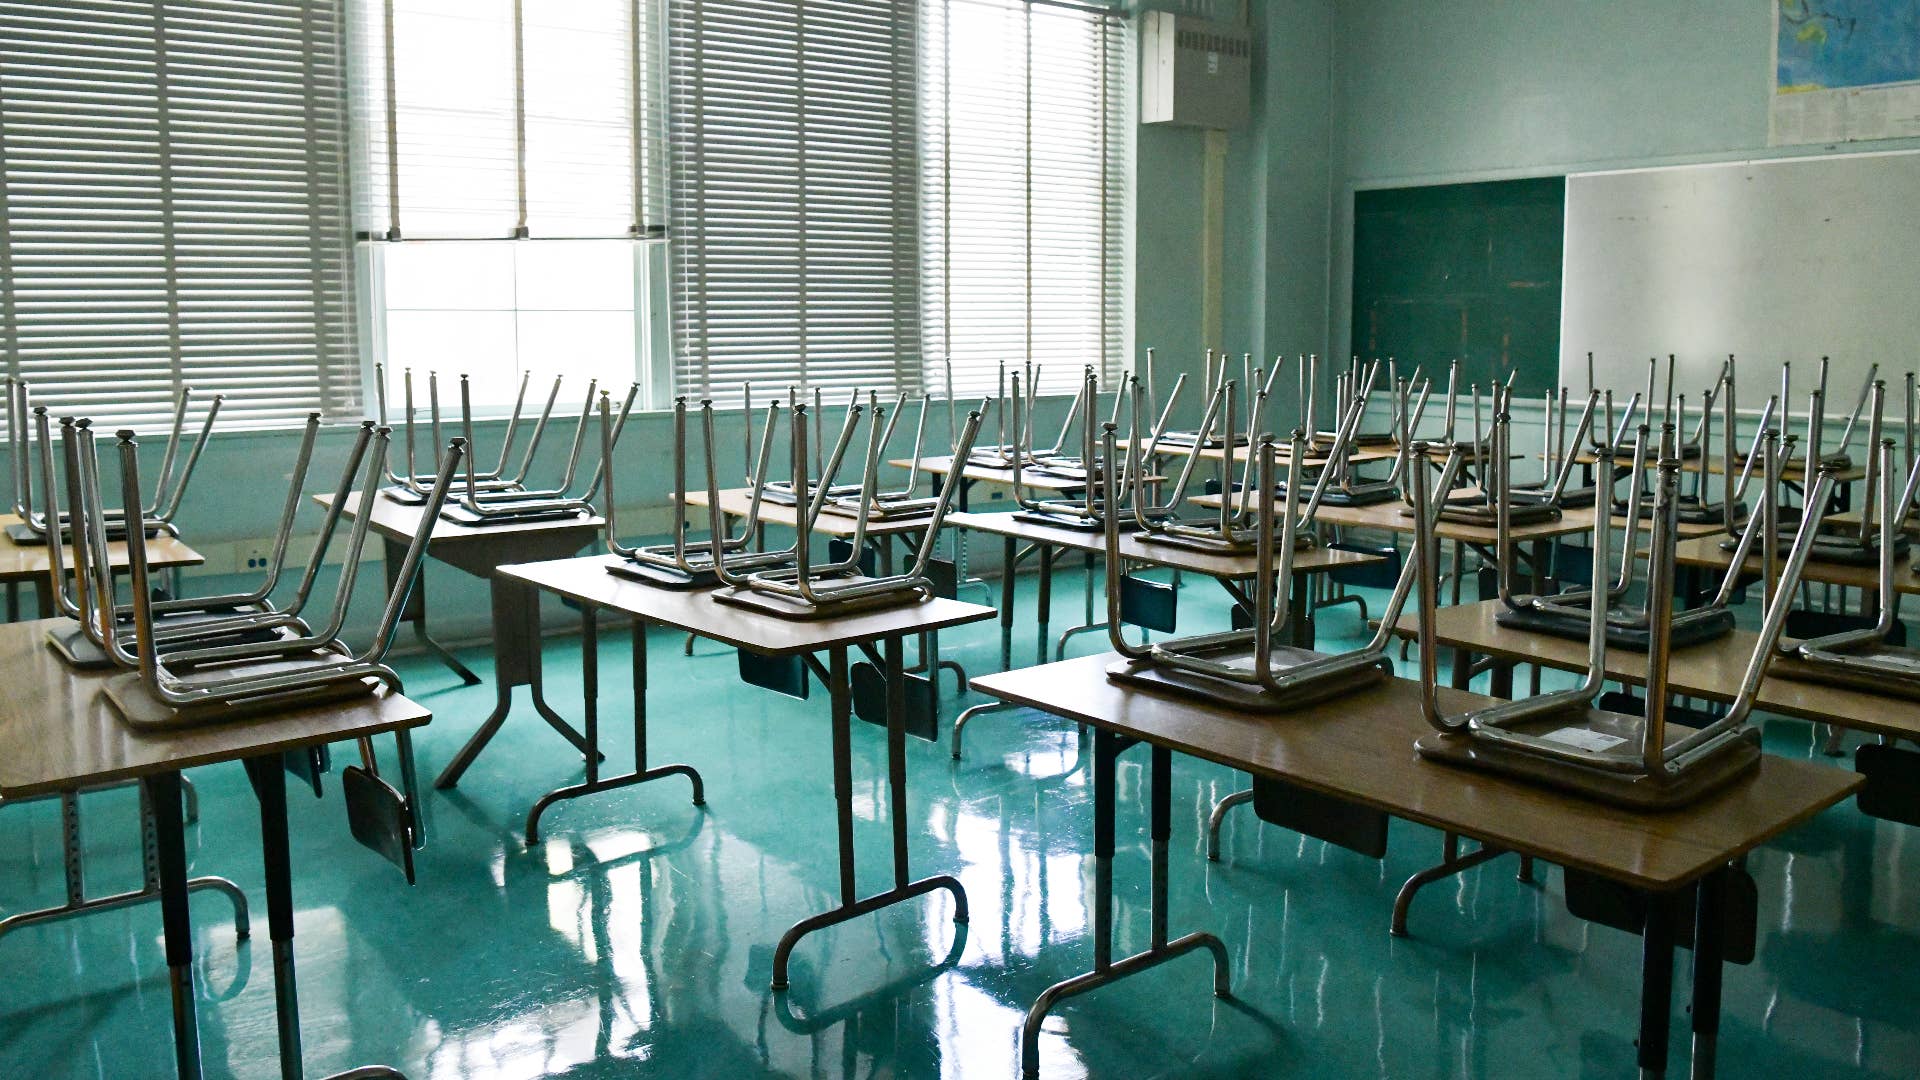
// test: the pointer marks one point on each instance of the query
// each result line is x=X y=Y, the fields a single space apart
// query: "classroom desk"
x=1849 y=522
x=477 y=550
x=1705 y=553
x=1395 y=516
x=972 y=473
x=1231 y=571
x=1283 y=453
x=1711 y=670
x=1361 y=753
x=59 y=735
x=1796 y=472
x=736 y=502
x=695 y=611
x=28 y=564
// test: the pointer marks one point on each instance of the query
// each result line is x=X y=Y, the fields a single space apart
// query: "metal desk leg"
x=43 y=596
x=73 y=856
x=162 y=792
x=1107 y=747
x=1542 y=552
x=1009 y=563
x=590 y=680
x=1451 y=863
x=1302 y=608
x=516 y=662
x=1709 y=944
x=270 y=788
x=1218 y=816
x=1462 y=668
x=1044 y=598
x=851 y=905
x=414 y=612
x=1656 y=985
x=13 y=601
x=960 y=722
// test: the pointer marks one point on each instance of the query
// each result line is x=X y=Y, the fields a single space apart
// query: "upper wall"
x=1486 y=87
x=1483 y=89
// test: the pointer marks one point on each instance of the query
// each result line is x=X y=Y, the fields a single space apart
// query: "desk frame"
x=1706 y=886
x=519 y=655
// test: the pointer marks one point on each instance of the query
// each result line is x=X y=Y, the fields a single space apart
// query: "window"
x=173 y=208
x=794 y=243
x=861 y=191
x=1024 y=143
x=508 y=179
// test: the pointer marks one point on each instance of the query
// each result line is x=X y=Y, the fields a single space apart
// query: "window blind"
x=495 y=119
x=1024 y=142
x=794 y=246
x=173 y=207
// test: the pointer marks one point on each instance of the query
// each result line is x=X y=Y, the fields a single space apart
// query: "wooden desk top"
x=1361 y=456
x=696 y=611
x=479 y=549
x=24 y=562
x=1228 y=567
x=397 y=521
x=942 y=464
x=1797 y=472
x=1850 y=521
x=735 y=502
x=1362 y=751
x=1711 y=670
x=1706 y=553
x=1392 y=516
x=58 y=732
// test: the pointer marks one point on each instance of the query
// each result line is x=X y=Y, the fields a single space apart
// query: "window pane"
x=452 y=343
x=575 y=275
x=450 y=277
x=499 y=311
x=1024 y=191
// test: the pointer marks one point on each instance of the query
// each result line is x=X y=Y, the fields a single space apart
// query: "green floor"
x=637 y=939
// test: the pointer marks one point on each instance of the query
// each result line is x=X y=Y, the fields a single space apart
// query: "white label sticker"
x=1586 y=739
x=1213 y=63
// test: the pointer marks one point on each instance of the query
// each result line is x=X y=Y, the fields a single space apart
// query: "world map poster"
x=1845 y=71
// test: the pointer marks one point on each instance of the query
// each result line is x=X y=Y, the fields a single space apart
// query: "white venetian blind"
x=493 y=119
x=1024 y=136
x=173 y=206
x=794 y=241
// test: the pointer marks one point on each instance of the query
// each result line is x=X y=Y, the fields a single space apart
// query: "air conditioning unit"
x=1194 y=72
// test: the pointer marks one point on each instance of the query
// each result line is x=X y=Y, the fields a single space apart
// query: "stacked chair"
x=1568 y=614
x=806 y=590
x=1563 y=739
x=169 y=490
x=1868 y=658
x=1248 y=669
x=218 y=659
x=493 y=497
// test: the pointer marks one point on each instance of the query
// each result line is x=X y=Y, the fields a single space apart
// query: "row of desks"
x=1363 y=754
x=1711 y=670
x=1360 y=753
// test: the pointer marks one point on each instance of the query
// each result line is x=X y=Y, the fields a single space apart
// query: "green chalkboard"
x=1462 y=271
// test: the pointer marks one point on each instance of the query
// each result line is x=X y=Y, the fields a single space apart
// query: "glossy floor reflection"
x=636 y=939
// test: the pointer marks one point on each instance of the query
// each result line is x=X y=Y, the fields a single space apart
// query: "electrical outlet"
x=252 y=558
x=996 y=495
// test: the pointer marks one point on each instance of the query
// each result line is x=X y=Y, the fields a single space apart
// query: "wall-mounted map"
x=1845 y=70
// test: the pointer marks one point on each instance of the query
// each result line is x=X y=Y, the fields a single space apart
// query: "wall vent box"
x=1194 y=72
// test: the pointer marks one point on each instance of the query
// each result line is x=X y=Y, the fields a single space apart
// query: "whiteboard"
x=1770 y=261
